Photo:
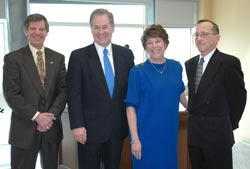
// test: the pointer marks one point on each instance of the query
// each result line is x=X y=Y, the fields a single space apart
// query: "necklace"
x=160 y=71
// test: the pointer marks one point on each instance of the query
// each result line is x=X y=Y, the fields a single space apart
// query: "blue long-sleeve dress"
x=155 y=97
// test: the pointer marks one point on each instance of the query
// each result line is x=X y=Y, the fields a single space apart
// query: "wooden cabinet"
x=125 y=156
x=183 y=160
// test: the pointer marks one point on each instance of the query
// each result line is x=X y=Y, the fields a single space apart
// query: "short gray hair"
x=215 y=27
x=99 y=12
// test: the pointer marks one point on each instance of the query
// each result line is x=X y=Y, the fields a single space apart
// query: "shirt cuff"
x=34 y=117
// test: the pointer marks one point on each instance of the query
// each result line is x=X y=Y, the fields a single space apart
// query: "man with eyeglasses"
x=216 y=101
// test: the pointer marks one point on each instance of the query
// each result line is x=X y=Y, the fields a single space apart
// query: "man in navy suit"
x=37 y=102
x=98 y=119
x=216 y=106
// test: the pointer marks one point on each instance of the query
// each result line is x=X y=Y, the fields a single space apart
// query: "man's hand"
x=80 y=134
x=41 y=129
x=44 y=121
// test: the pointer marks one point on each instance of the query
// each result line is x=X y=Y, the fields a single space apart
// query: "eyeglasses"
x=203 y=34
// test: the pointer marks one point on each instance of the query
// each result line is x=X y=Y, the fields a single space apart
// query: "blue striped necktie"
x=109 y=75
x=198 y=75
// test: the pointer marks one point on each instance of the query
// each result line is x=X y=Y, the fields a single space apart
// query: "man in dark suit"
x=98 y=116
x=35 y=91
x=216 y=103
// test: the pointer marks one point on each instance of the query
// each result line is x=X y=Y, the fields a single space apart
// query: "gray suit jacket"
x=23 y=92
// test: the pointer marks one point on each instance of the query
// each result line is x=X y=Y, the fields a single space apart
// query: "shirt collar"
x=34 y=50
x=208 y=56
x=100 y=49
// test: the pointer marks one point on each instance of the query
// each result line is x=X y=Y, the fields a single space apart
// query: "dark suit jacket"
x=24 y=94
x=89 y=102
x=216 y=108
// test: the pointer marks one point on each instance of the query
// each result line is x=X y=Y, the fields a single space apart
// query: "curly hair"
x=153 y=31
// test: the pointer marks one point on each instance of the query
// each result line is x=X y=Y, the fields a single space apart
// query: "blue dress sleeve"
x=178 y=70
x=133 y=92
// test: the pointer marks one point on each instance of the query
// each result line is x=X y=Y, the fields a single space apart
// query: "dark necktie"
x=40 y=67
x=198 y=73
x=109 y=75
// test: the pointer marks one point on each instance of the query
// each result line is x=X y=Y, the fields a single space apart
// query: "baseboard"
x=63 y=167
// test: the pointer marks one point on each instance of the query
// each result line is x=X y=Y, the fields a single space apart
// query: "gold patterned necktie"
x=40 y=67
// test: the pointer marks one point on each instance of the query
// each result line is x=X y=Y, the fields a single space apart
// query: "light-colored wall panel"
x=2 y=9
x=175 y=12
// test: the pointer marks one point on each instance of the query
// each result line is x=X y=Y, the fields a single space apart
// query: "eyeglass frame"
x=203 y=34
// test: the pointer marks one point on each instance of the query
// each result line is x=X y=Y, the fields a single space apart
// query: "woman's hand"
x=136 y=148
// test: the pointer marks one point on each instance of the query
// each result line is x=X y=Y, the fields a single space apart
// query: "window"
x=3 y=46
x=5 y=110
x=69 y=31
x=181 y=46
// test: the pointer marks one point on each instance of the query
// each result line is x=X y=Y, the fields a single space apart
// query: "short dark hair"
x=99 y=12
x=154 y=30
x=215 y=27
x=35 y=18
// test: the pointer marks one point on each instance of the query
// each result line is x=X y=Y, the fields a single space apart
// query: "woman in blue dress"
x=155 y=89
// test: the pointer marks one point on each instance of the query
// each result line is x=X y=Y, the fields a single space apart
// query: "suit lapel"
x=210 y=71
x=117 y=65
x=49 y=65
x=193 y=67
x=31 y=69
x=96 y=68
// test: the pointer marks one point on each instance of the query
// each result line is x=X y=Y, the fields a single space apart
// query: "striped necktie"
x=199 y=72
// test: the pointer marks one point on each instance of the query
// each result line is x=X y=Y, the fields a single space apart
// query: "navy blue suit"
x=89 y=102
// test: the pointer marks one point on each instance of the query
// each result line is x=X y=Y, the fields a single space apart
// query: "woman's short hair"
x=154 y=31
